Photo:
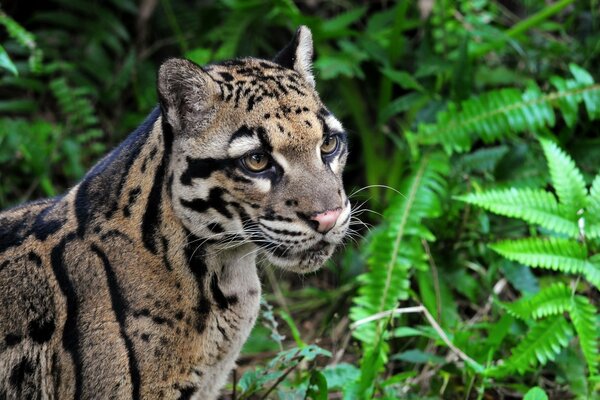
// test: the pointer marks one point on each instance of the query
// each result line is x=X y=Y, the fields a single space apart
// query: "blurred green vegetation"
x=453 y=107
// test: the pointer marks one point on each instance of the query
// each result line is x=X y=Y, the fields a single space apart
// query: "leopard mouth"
x=305 y=260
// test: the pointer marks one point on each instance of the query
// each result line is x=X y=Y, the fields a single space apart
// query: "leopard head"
x=257 y=158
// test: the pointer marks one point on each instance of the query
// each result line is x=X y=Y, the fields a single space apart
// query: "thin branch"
x=430 y=319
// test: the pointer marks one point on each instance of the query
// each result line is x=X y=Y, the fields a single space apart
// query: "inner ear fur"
x=187 y=95
x=298 y=54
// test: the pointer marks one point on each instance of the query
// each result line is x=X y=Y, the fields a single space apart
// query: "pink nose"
x=327 y=219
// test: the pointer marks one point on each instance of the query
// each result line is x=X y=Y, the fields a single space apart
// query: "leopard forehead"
x=276 y=101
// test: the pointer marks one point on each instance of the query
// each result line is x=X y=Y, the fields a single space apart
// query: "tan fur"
x=141 y=282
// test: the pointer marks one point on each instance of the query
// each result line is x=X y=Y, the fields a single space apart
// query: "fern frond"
x=500 y=113
x=552 y=253
x=552 y=300
x=584 y=317
x=532 y=205
x=566 y=179
x=556 y=254
x=396 y=248
x=542 y=343
x=592 y=215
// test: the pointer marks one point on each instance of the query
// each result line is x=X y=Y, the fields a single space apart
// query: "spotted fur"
x=141 y=281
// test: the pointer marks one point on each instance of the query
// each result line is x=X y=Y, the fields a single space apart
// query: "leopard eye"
x=329 y=145
x=256 y=162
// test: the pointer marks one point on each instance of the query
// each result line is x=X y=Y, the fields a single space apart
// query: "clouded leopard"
x=140 y=282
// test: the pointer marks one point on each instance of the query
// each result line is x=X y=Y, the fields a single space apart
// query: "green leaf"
x=542 y=343
x=552 y=300
x=585 y=316
x=317 y=386
x=404 y=80
x=532 y=205
x=566 y=179
x=535 y=393
x=417 y=356
x=397 y=247
x=592 y=215
x=556 y=254
x=339 y=375
x=502 y=113
x=6 y=62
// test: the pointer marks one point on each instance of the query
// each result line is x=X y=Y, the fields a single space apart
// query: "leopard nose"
x=326 y=220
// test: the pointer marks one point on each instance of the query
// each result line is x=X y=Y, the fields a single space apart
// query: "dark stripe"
x=70 y=338
x=243 y=131
x=195 y=255
x=223 y=302
x=42 y=228
x=151 y=218
x=202 y=168
x=283 y=231
x=120 y=306
x=215 y=201
x=114 y=166
x=264 y=139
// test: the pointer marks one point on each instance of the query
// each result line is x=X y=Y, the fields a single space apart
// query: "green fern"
x=567 y=216
x=566 y=179
x=542 y=343
x=531 y=205
x=504 y=112
x=81 y=125
x=25 y=39
x=583 y=314
x=552 y=300
x=396 y=248
x=593 y=212
x=550 y=253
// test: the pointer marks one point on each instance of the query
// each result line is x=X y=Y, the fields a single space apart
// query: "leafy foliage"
x=396 y=247
x=496 y=114
x=543 y=342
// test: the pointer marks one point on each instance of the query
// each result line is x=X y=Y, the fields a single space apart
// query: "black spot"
x=162 y=321
x=144 y=312
x=145 y=337
x=12 y=339
x=20 y=372
x=34 y=258
x=41 y=330
x=251 y=101
x=215 y=227
x=186 y=393
x=267 y=116
x=131 y=199
x=291 y=203
x=227 y=76
x=179 y=315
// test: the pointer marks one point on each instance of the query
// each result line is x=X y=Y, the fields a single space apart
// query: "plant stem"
x=522 y=27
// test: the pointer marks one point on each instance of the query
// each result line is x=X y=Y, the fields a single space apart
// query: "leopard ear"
x=187 y=95
x=298 y=54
